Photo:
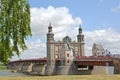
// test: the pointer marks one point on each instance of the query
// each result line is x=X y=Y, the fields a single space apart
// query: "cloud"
x=60 y=18
x=116 y=9
x=36 y=49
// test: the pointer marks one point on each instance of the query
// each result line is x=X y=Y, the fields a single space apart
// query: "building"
x=63 y=50
x=98 y=50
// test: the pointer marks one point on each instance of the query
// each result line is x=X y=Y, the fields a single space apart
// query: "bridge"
x=80 y=62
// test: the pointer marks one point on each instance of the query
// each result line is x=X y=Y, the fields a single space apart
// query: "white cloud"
x=60 y=18
x=36 y=49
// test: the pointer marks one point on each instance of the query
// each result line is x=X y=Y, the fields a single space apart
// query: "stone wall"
x=50 y=70
x=26 y=68
x=38 y=69
x=65 y=70
x=117 y=66
x=97 y=70
x=104 y=70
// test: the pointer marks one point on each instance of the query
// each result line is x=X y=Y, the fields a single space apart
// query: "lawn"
x=64 y=77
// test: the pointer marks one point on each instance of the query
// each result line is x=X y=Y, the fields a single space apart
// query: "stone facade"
x=98 y=50
x=54 y=47
x=63 y=50
x=116 y=65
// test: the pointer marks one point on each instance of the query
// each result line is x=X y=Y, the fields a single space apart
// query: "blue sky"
x=100 y=21
x=94 y=13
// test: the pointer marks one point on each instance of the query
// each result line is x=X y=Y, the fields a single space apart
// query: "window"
x=67 y=61
x=67 y=54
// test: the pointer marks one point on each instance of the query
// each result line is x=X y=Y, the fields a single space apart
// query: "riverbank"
x=9 y=73
x=64 y=77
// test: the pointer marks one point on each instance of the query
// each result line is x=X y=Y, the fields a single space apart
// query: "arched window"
x=68 y=61
x=67 y=54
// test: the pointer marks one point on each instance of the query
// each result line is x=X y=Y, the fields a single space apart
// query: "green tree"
x=14 y=27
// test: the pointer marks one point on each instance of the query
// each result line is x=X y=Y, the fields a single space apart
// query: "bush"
x=3 y=67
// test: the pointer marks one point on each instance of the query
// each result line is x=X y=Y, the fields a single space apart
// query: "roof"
x=66 y=47
x=66 y=39
x=98 y=46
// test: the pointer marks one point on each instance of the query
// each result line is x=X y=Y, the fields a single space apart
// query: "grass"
x=63 y=77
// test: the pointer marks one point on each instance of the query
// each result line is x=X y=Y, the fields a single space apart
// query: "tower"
x=81 y=43
x=50 y=52
x=66 y=54
x=66 y=60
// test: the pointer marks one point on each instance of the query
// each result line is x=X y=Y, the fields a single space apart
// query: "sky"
x=100 y=20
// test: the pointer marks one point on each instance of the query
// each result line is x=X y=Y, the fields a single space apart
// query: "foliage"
x=3 y=67
x=14 y=27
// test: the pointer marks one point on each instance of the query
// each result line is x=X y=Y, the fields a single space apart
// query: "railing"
x=29 y=60
x=93 y=58
x=76 y=58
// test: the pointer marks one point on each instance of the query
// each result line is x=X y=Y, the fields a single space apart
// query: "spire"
x=80 y=29
x=50 y=28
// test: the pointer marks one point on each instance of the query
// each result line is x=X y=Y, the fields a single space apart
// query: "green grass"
x=65 y=77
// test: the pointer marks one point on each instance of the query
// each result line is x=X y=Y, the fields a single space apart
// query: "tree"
x=14 y=27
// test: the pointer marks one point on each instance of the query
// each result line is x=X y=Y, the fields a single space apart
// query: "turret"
x=50 y=52
x=80 y=36
x=80 y=30
x=81 y=44
x=50 y=34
